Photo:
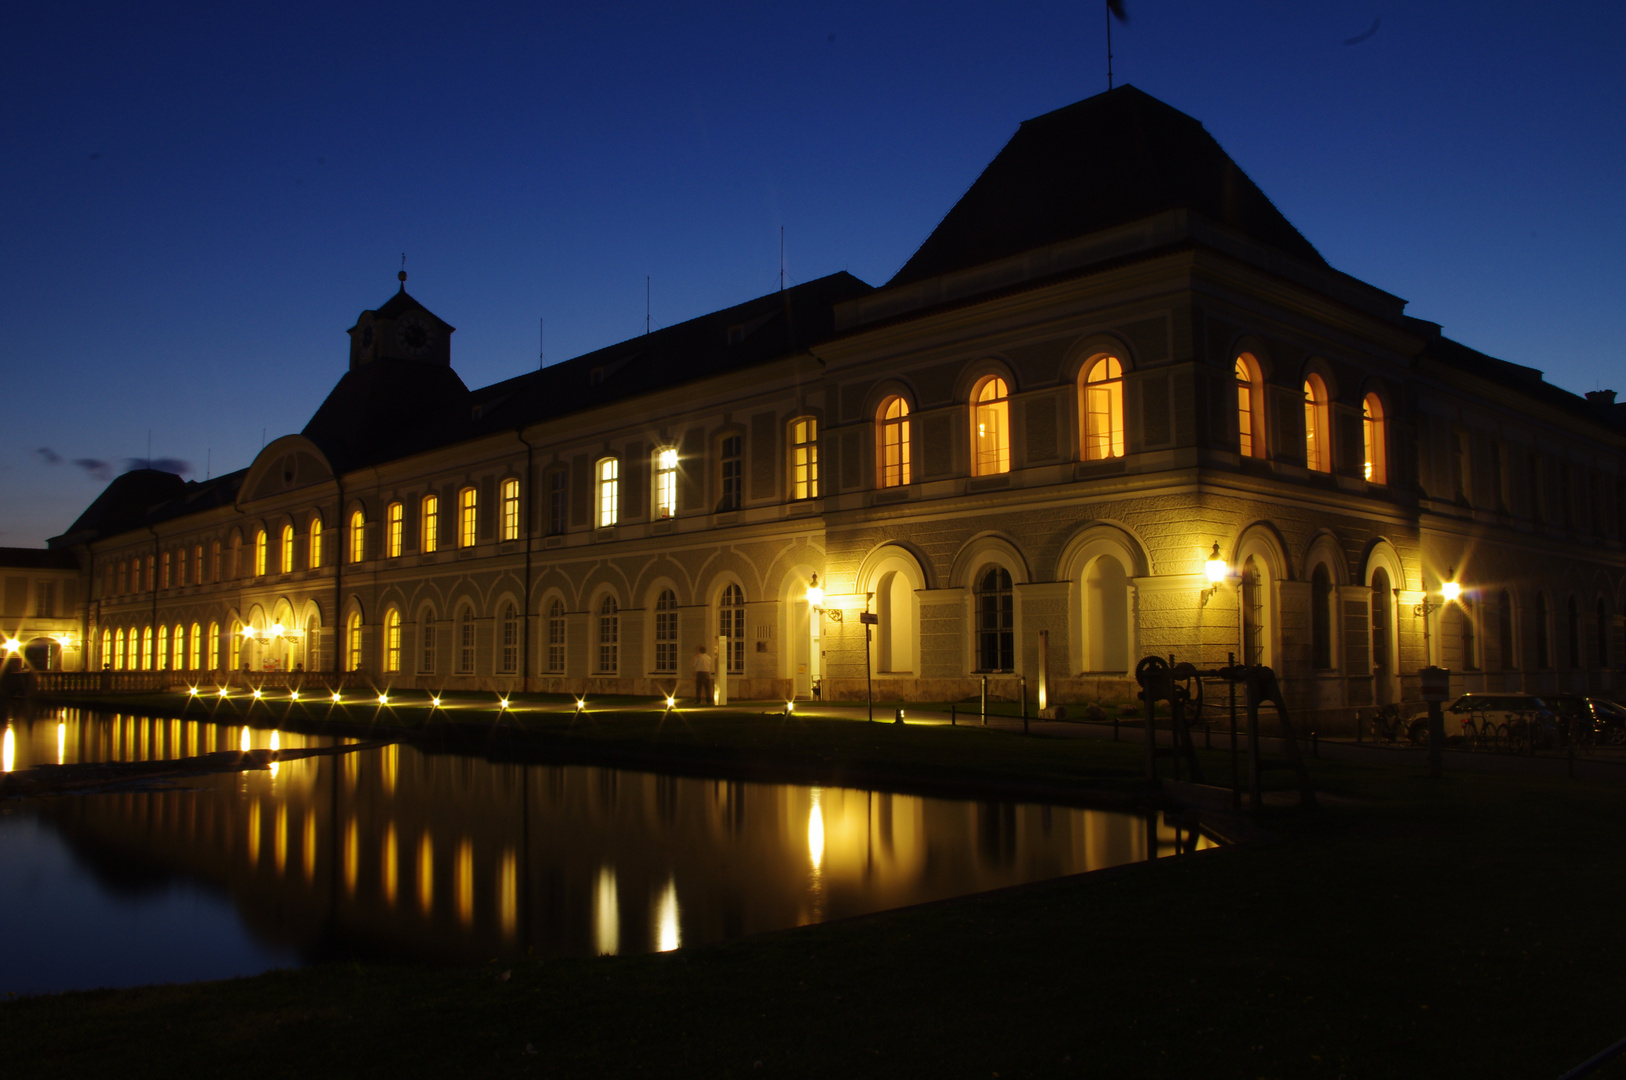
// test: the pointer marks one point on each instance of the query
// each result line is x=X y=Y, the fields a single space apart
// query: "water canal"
x=392 y=853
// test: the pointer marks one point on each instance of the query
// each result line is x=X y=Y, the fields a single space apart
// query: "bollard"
x=897 y=717
x=1024 y=702
x=953 y=722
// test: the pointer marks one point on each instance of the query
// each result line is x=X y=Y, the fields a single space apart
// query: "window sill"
x=604 y=535
x=988 y=483
x=886 y=496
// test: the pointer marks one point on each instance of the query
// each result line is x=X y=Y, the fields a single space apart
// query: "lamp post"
x=1449 y=591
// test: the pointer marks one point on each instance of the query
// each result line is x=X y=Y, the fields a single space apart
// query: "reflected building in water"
x=392 y=852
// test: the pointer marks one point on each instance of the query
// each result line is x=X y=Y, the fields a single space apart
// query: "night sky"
x=198 y=201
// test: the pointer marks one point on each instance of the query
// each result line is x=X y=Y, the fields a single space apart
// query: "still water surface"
x=391 y=853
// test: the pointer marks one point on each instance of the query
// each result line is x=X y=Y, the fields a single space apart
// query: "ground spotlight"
x=335 y=697
x=383 y=699
x=435 y=701
x=258 y=695
x=293 y=695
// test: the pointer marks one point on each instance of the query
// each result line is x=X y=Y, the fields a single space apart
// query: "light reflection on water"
x=498 y=858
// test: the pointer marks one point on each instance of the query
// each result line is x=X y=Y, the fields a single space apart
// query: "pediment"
x=285 y=465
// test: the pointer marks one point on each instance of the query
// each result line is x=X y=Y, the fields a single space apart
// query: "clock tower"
x=400 y=329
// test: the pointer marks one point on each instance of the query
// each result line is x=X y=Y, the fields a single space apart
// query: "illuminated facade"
x=1086 y=377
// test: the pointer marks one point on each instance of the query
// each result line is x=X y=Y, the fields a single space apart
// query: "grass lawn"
x=1464 y=927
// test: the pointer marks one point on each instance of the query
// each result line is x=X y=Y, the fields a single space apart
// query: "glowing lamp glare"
x=1450 y=590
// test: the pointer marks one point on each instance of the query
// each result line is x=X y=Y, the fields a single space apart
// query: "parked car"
x=1607 y=718
x=1487 y=715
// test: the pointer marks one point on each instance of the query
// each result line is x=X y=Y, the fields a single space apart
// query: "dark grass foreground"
x=1469 y=927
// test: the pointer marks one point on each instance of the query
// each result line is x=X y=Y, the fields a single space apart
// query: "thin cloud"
x=51 y=456
x=95 y=468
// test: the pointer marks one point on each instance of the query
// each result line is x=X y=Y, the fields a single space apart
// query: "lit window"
x=731 y=462
x=1250 y=431
x=118 y=651
x=180 y=567
x=731 y=624
x=468 y=517
x=214 y=646
x=352 y=641
x=510 y=509
x=1377 y=465
x=990 y=434
x=260 y=545
x=1316 y=456
x=287 y=549
x=465 y=642
x=665 y=482
x=152 y=577
x=609 y=636
x=234 y=647
x=894 y=442
x=315 y=555
x=392 y=641
x=107 y=645
x=996 y=620
x=196 y=656
x=556 y=638
x=162 y=662
x=666 y=633
x=394 y=529
x=1104 y=409
x=804 y=458
x=510 y=639
x=165 y=570
x=431 y=524
x=609 y=488
x=358 y=536
x=426 y=642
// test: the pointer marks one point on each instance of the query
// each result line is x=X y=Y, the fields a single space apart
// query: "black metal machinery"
x=1180 y=684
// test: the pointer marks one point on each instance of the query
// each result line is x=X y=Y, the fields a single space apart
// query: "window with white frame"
x=609 y=492
x=609 y=635
x=556 y=637
x=666 y=636
x=666 y=459
x=990 y=427
x=510 y=509
x=804 y=458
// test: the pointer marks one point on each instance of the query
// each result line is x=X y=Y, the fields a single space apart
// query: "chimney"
x=1601 y=397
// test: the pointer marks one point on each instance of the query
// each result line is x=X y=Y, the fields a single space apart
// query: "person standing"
x=702 y=676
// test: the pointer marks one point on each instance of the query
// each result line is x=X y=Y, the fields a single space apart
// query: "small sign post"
x=1436 y=689
x=869 y=619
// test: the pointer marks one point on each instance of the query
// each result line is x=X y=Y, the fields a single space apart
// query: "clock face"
x=413 y=333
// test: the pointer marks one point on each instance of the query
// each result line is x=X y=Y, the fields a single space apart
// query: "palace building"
x=1111 y=368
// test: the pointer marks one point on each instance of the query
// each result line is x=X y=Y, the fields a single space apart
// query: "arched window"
x=1544 y=652
x=164 y=569
x=510 y=639
x=107 y=648
x=1103 y=409
x=314 y=556
x=426 y=642
x=609 y=635
x=214 y=562
x=313 y=644
x=996 y=620
x=1377 y=454
x=556 y=637
x=195 y=657
x=394 y=529
x=509 y=494
x=149 y=640
x=894 y=442
x=286 y=562
x=608 y=491
x=180 y=566
x=392 y=641
x=1603 y=634
x=214 y=646
x=731 y=624
x=118 y=651
x=666 y=637
x=666 y=459
x=1250 y=413
x=1504 y=631
x=162 y=663
x=1316 y=455
x=1253 y=613
x=177 y=644
x=260 y=546
x=991 y=428
x=197 y=564
x=895 y=636
x=1106 y=616
x=429 y=537
x=1382 y=608
x=465 y=642
x=1321 y=618
x=352 y=642
x=468 y=517
x=358 y=536
x=804 y=458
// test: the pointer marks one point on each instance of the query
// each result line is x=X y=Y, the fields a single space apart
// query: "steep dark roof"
x=389 y=408
x=1105 y=161
x=1528 y=381
x=145 y=497
x=767 y=328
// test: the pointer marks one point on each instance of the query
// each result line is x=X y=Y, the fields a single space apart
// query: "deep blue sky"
x=198 y=201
